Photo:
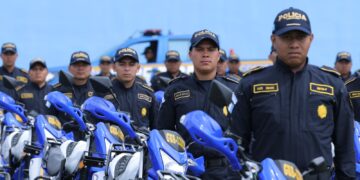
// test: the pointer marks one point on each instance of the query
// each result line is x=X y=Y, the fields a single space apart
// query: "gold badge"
x=143 y=111
x=322 y=111
x=225 y=111
x=90 y=93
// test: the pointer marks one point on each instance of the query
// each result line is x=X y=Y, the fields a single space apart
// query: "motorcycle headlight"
x=171 y=165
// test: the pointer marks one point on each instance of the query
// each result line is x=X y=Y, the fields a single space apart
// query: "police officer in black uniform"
x=105 y=67
x=189 y=93
x=32 y=94
x=80 y=68
x=343 y=65
x=292 y=109
x=137 y=99
x=234 y=65
x=222 y=64
x=172 y=64
x=9 y=55
x=353 y=87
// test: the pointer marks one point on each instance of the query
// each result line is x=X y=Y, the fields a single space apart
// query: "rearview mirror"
x=101 y=84
x=219 y=94
x=65 y=78
x=10 y=82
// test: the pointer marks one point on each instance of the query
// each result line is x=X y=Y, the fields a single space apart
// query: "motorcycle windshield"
x=206 y=131
x=167 y=151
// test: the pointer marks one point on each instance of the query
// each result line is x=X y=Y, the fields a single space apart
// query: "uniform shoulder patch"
x=57 y=85
x=24 y=71
x=177 y=79
x=146 y=87
x=350 y=80
x=251 y=71
x=19 y=87
x=232 y=79
x=330 y=70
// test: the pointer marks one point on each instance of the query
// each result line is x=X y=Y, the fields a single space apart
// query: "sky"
x=54 y=29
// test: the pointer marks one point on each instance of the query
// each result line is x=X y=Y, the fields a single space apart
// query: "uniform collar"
x=87 y=84
x=121 y=85
x=37 y=86
x=6 y=71
x=279 y=64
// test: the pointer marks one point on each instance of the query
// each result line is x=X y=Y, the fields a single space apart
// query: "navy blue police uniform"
x=79 y=93
x=344 y=57
x=32 y=95
x=106 y=59
x=296 y=116
x=156 y=83
x=19 y=74
x=186 y=94
x=138 y=101
x=353 y=87
x=239 y=74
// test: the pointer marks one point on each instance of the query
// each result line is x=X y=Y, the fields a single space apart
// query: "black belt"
x=216 y=162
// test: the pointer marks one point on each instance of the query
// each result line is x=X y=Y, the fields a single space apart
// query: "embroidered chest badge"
x=322 y=111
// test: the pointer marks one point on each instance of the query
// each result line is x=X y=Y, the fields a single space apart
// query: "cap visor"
x=292 y=28
x=9 y=50
x=81 y=60
x=38 y=63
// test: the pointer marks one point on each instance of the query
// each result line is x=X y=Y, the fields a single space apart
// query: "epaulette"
x=19 y=87
x=177 y=78
x=146 y=87
x=255 y=69
x=350 y=80
x=232 y=79
x=330 y=70
x=57 y=85
x=24 y=71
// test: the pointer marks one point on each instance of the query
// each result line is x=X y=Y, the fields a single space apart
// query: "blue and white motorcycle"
x=166 y=148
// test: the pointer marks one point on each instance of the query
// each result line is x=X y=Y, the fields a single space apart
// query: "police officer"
x=234 y=65
x=292 y=109
x=105 y=67
x=150 y=55
x=172 y=64
x=343 y=65
x=222 y=64
x=32 y=94
x=137 y=99
x=9 y=55
x=80 y=68
x=272 y=56
x=189 y=93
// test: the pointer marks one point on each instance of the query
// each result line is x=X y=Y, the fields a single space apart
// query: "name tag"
x=144 y=97
x=26 y=95
x=69 y=95
x=22 y=79
x=265 y=88
x=181 y=95
x=322 y=89
x=354 y=94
